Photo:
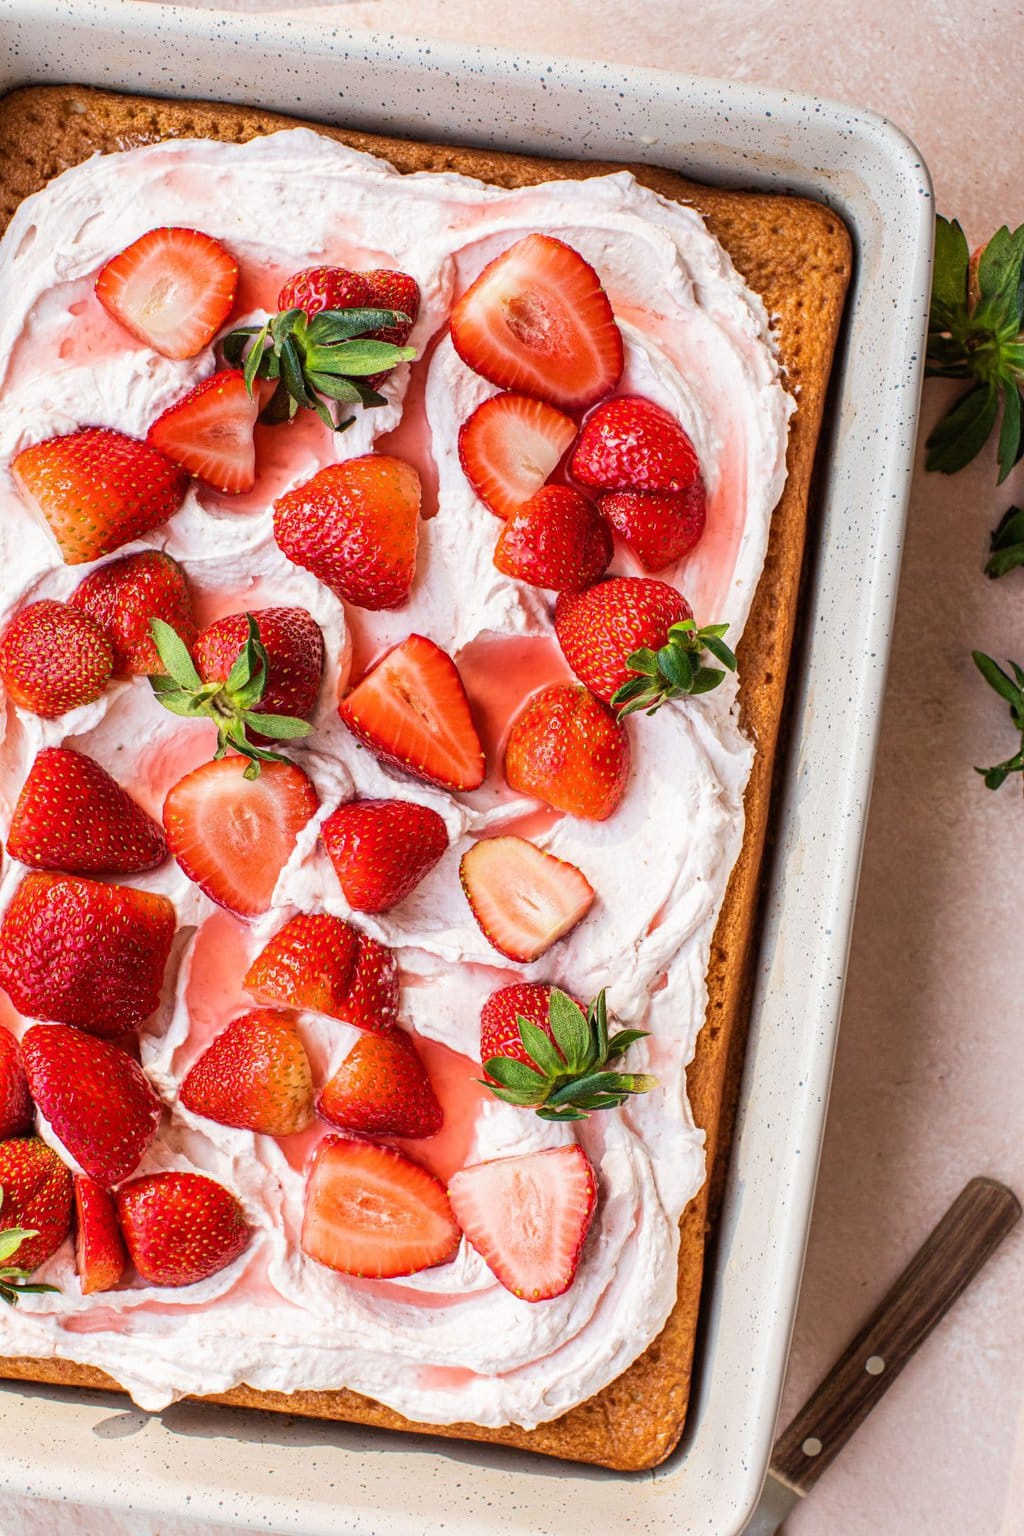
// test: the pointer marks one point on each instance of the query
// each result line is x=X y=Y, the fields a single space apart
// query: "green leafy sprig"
x=677 y=670
x=317 y=363
x=231 y=704
x=1006 y=543
x=15 y=1282
x=976 y=332
x=1012 y=690
x=568 y=1079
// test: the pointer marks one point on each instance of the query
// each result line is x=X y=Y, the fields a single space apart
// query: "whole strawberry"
x=255 y=1076
x=557 y=539
x=125 y=595
x=72 y=816
x=660 y=527
x=181 y=1227
x=317 y=288
x=381 y=849
x=633 y=642
x=85 y=953
x=294 y=645
x=320 y=962
x=382 y=1089
x=630 y=443
x=54 y=658
x=355 y=526
x=16 y=1109
x=397 y=291
x=37 y=1191
x=100 y=1104
x=98 y=489
x=500 y=1016
x=567 y=748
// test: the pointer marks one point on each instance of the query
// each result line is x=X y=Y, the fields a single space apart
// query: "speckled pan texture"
x=284 y=1475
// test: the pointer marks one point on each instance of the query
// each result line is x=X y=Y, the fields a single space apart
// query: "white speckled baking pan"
x=276 y=1474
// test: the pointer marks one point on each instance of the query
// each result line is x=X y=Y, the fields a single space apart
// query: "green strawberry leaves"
x=568 y=1080
x=317 y=363
x=232 y=704
x=14 y=1282
x=1010 y=689
x=976 y=333
x=675 y=671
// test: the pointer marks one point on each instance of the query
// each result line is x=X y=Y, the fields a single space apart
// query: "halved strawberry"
x=355 y=525
x=632 y=443
x=72 y=815
x=510 y=446
x=538 y=320
x=53 y=658
x=37 y=1192
x=382 y=1089
x=528 y=1217
x=567 y=748
x=100 y=1104
x=85 y=953
x=256 y=1076
x=209 y=432
x=523 y=899
x=172 y=288
x=557 y=539
x=372 y=1212
x=16 y=1111
x=98 y=489
x=181 y=1227
x=124 y=596
x=411 y=710
x=381 y=849
x=321 y=962
x=233 y=835
x=100 y=1256
x=660 y=527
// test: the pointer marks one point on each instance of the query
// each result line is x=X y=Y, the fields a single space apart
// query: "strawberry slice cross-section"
x=171 y=288
x=411 y=710
x=538 y=320
x=372 y=1212
x=209 y=433
x=524 y=899
x=510 y=446
x=528 y=1217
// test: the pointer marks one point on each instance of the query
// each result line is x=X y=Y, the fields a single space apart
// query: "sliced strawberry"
x=72 y=815
x=631 y=443
x=538 y=320
x=100 y=1256
x=372 y=1212
x=53 y=658
x=557 y=539
x=382 y=1088
x=172 y=288
x=381 y=849
x=660 y=527
x=37 y=1192
x=233 y=835
x=98 y=489
x=567 y=748
x=528 y=1217
x=256 y=1076
x=523 y=899
x=411 y=710
x=209 y=432
x=372 y=998
x=124 y=596
x=510 y=446
x=16 y=1111
x=85 y=953
x=181 y=1227
x=100 y=1104
x=355 y=525
x=321 y=962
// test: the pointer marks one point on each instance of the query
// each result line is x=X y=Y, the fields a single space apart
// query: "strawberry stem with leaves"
x=568 y=1079
x=317 y=362
x=676 y=670
x=15 y=1282
x=976 y=332
x=231 y=704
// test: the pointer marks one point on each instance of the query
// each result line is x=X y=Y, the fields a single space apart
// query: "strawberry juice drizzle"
x=214 y=995
x=454 y=1080
x=411 y=439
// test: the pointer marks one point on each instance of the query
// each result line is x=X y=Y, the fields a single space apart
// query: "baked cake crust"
x=797 y=255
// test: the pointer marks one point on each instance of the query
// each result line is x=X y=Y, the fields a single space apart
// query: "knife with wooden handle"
x=969 y=1233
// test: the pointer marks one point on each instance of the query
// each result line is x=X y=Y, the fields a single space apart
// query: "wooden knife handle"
x=970 y=1231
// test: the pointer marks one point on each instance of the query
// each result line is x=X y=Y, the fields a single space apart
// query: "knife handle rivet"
x=811 y=1446
x=874 y=1365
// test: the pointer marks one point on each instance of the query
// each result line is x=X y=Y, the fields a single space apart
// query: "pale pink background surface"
x=930 y=1069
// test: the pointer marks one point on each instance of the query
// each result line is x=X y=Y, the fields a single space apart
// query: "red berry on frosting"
x=381 y=849
x=255 y=1076
x=557 y=539
x=510 y=446
x=172 y=288
x=382 y=1089
x=660 y=527
x=631 y=443
x=124 y=596
x=209 y=432
x=54 y=658
x=181 y=1228
x=565 y=747
x=72 y=815
x=524 y=899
